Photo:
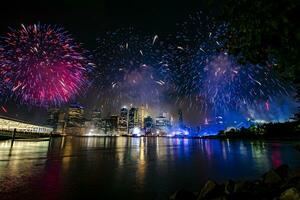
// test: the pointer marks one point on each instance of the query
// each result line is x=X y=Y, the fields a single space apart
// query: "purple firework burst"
x=42 y=65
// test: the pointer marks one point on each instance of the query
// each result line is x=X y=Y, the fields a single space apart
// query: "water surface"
x=131 y=168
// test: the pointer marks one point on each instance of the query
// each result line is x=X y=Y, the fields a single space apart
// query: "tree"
x=261 y=31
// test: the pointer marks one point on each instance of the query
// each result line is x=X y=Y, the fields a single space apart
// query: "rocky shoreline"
x=281 y=183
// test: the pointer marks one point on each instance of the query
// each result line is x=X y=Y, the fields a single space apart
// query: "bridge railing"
x=23 y=134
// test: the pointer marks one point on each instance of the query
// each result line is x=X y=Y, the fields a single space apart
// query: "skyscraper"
x=96 y=118
x=75 y=115
x=75 y=124
x=114 y=122
x=123 y=120
x=110 y=125
x=61 y=125
x=53 y=114
x=57 y=120
x=142 y=116
x=162 y=124
x=148 y=125
x=133 y=117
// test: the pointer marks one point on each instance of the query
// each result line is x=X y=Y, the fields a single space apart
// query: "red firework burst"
x=42 y=65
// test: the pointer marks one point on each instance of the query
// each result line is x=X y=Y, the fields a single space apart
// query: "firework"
x=42 y=64
x=205 y=78
x=229 y=86
x=187 y=53
x=128 y=67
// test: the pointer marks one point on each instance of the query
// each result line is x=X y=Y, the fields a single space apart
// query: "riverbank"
x=283 y=131
x=281 y=183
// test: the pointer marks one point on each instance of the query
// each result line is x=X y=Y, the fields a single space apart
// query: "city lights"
x=136 y=131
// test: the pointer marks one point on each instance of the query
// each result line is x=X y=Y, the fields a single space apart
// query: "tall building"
x=114 y=122
x=162 y=124
x=110 y=125
x=75 y=123
x=133 y=118
x=57 y=120
x=142 y=116
x=96 y=118
x=75 y=115
x=53 y=115
x=61 y=125
x=148 y=125
x=123 y=120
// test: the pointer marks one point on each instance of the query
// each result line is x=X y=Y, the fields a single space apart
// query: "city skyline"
x=74 y=118
x=137 y=121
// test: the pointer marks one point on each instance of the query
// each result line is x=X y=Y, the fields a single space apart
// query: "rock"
x=295 y=172
x=259 y=189
x=271 y=178
x=281 y=183
x=292 y=182
x=290 y=194
x=211 y=189
x=229 y=187
x=249 y=190
x=283 y=171
x=223 y=197
x=238 y=186
x=242 y=187
x=183 y=194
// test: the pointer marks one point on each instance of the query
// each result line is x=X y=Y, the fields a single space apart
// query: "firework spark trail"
x=127 y=63
x=187 y=54
x=191 y=69
x=230 y=86
x=205 y=77
x=42 y=64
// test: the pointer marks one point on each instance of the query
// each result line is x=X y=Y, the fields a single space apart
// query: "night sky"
x=177 y=59
x=86 y=20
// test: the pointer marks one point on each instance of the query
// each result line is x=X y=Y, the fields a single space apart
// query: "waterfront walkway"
x=22 y=129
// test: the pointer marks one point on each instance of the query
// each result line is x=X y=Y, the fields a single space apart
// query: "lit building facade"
x=123 y=120
x=57 y=120
x=61 y=125
x=148 y=125
x=134 y=118
x=75 y=122
x=162 y=124
x=96 y=118
x=142 y=116
x=110 y=125
x=53 y=115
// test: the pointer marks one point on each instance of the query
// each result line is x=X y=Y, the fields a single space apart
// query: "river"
x=131 y=168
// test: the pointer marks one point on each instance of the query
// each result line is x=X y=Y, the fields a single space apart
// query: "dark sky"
x=88 y=19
